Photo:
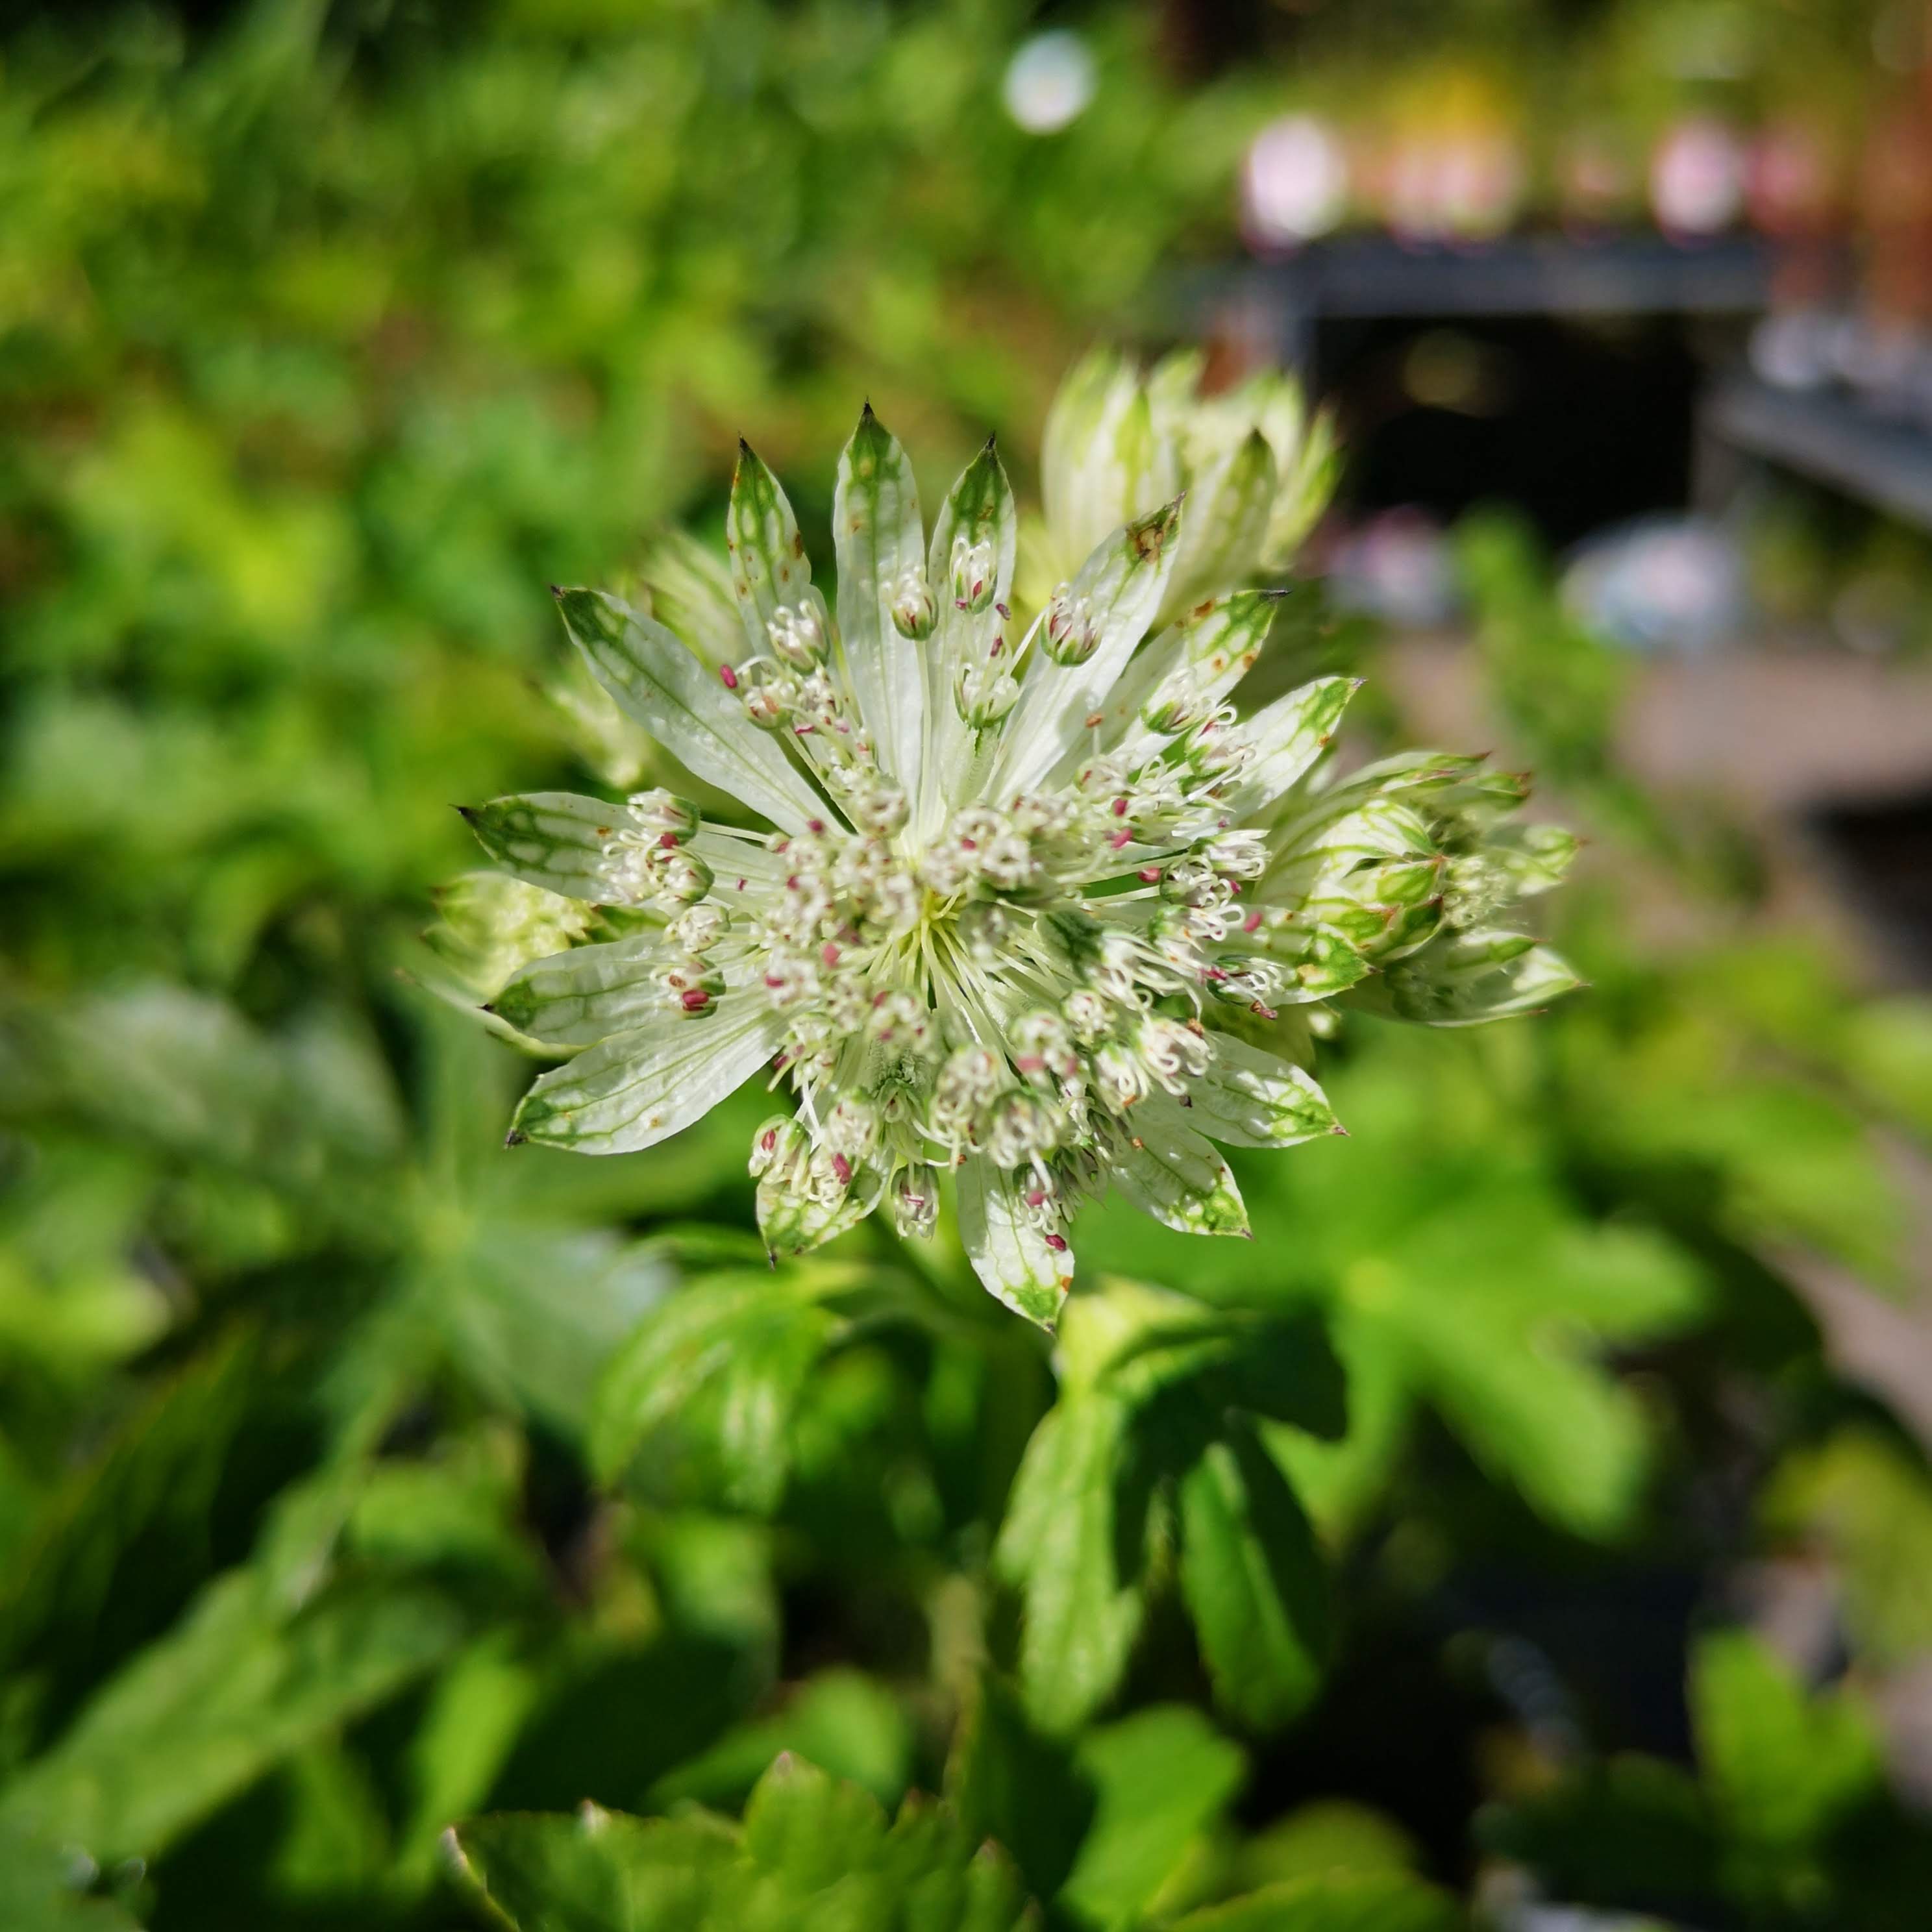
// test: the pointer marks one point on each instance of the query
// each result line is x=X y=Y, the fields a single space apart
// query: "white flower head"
x=1025 y=902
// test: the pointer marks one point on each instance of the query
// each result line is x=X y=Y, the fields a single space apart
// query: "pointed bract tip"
x=486 y=1007
x=1339 y=1128
x=467 y=813
x=745 y=449
x=514 y=1138
x=992 y=443
x=556 y=591
x=865 y=413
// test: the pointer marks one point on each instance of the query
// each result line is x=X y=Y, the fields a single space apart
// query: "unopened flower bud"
x=1088 y=1016
x=879 y=806
x=983 y=694
x=972 y=574
x=693 y=984
x=1069 y=635
x=1022 y=1126
x=676 y=873
x=986 y=931
x=664 y=813
x=914 y=612
x=916 y=1201
x=767 y=692
x=1178 y=707
x=852 y=1127
x=1043 y=1048
x=700 y=928
x=1192 y=881
x=775 y=1144
x=798 y=632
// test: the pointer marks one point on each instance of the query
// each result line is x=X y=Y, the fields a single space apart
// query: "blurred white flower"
x=1050 y=82
x=1294 y=183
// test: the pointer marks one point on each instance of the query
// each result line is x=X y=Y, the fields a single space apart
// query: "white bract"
x=1028 y=902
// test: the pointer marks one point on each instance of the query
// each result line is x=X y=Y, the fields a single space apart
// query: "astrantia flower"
x=1028 y=902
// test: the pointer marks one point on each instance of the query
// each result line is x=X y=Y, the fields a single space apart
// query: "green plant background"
x=358 y=1477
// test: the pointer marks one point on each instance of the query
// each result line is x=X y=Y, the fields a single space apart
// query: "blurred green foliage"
x=358 y=1477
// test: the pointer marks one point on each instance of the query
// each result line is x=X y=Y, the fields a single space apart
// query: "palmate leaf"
x=709 y=1383
x=811 y=1851
x=42 y=1890
x=1060 y=1546
x=1353 y=1902
x=1162 y=1779
x=240 y=1683
x=1155 y=1403
x=849 y=1724
x=1457 y=1273
x=1253 y=1582
x=1781 y=1766
x=1790 y=1823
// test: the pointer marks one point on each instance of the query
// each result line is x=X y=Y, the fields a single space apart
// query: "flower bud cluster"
x=645 y=860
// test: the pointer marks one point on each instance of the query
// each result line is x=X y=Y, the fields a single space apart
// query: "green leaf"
x=1358 y=1902
x=1860 y=1496
x=578 y=997
x=124 y=1541
x=1101 y=462
x=597 y=1872
x=1782 y=1766
x=1139 y=1343
x=1059 y=1546
x=240 y=1683
x=470 y=1722
x=684 y=585
x=813 y=1829
x=1162 y=1779
x=1330 y=1836
x=848 y=1723
x=708 y=1386
x=534 y=1310
x=1021 y=1789
x=1180 y=675
x=812 y=1852
x=1254 y=1582
x=655 y=680
x=43 y=1889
